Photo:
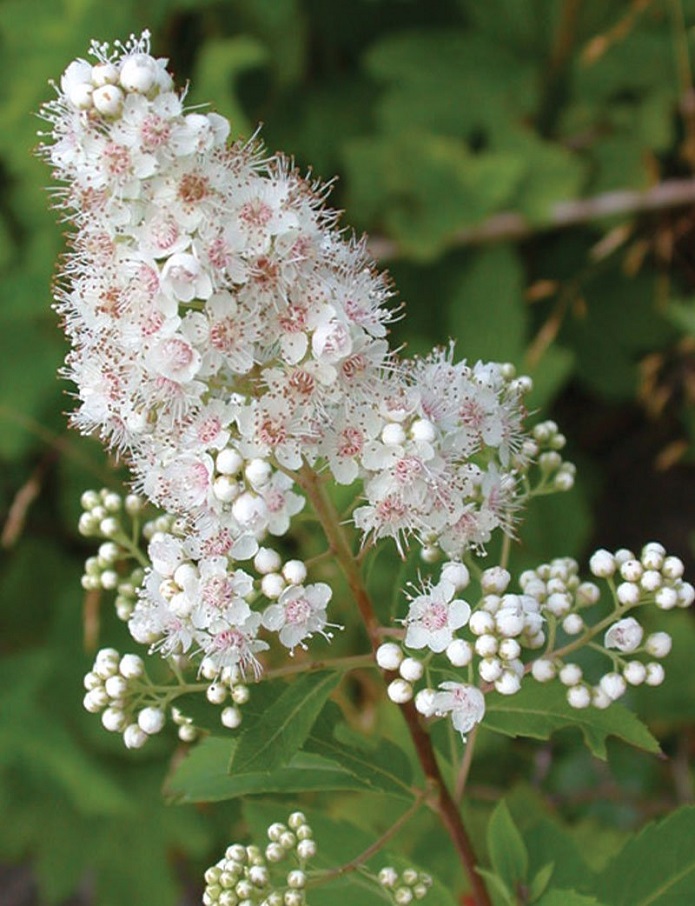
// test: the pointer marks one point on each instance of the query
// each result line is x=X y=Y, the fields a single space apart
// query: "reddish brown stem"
x=440 y=800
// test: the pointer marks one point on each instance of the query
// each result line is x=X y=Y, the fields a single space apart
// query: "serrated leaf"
x=506 y=847
x=203 y=776
x=382 y=766
x=655 y=868
x=538 y=711
x=282 y=729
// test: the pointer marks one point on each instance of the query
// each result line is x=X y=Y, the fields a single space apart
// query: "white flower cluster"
x=243 y=877
x=224 y=333
x=119 y=688
x=504 y=627
x=404 y=887
x=652 y=578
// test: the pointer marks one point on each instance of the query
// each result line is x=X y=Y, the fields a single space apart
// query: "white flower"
x=433 y=617
x=465 y=704
x=299 y=613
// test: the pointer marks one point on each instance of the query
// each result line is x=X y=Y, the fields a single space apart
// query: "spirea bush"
x=229 y=341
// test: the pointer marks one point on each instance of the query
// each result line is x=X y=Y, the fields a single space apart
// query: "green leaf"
x=203 y=776
x=497 y=886
x=507 y=850
x=562 y=897
x=381 y=766
x=655 y=868
x=282 y=729
x=539 y=710
x=539 y=883
x=487 y=309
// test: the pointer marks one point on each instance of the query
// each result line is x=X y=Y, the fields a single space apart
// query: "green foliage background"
x=437 y=115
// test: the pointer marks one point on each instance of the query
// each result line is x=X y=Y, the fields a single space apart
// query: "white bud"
x=628 y=593
x=686 y=594
x=411 y=669
x=659 y=644
x=272 y=585
x=509 y=649
x=651 y=580
x=599 y=699
x=622 y=555
x=543 y=670
x=425 y=702
x=306 y=849
x=490 y=669
x=240 y=694
x=587 y=593
x=108 y=100
x=208 y=668
x=294 y=898
x=267 y=560
x=672 y=568
x=294 y=572
x=296 y=879
x=486 y=645
x=393 y=434
x=95 y=700
x=613 y=684
x=631 y=570
x=573 y=624
x=635 y=673
x=655 y=674
x=389 y=656
x=116 y=686
x=131 y=666
x=457 y=574
x=666 y=598
x=259 y=875
x=510 y=621
x=187 y=733
x=133 y=504
x=216 y=693
x=151 y=720
x=231 y=717
x=139 y=73
x=495 y=580
x=602 y=564
x=229 y=461
x=423 y=430
x=258 y=472
x=460 y=653
x=571 y=675
x=579 y=697
x=400 y=691
x=509 y=683
x=481 y=622
x=134 y=737
x=388 y=877
x=402 y=896
x=558 y=603
x=225 y=488
x=80 y=95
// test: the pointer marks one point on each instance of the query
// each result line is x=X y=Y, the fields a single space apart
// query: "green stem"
x=370 y=851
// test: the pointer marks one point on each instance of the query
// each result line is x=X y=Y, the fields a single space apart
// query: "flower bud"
x=389 y=656
x=460 y=653
x=151 y=720
x=231 y=717
x=400 y=691
x=411 y=669
x=613 y=684
x=134 y=737
x=579 y=696
x=655 y=674
x=108 y=100
x=659 y=644
x=543 y=670
x=602 y=564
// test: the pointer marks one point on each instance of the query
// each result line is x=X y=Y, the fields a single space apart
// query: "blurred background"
x=526 y=171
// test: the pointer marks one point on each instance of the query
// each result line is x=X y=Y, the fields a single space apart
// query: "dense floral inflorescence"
x=226 y=334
